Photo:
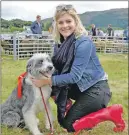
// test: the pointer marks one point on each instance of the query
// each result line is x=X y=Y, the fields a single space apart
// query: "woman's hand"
x=41 y=82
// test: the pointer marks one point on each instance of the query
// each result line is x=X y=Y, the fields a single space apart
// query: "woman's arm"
x=81 y=59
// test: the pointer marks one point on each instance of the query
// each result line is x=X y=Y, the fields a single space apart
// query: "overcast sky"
x=27 y=10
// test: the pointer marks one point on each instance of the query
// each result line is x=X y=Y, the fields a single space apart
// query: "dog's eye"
x=41 y=61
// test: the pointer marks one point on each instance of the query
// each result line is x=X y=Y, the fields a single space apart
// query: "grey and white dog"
x=16 y=112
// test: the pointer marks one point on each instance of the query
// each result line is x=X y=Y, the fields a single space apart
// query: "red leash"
x=46 y=112
x=19 y=87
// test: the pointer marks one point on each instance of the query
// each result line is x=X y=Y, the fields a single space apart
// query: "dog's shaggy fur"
x=15 y=112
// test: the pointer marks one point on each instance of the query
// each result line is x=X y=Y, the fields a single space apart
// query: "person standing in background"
x=36 y=26
x=93 y=30
x=125 y=33
x=110 y=31
x=100 y=34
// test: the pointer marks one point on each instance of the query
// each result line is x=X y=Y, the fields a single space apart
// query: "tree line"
x=18 y=24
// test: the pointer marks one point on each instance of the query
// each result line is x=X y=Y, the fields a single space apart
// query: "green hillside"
x=116 y=17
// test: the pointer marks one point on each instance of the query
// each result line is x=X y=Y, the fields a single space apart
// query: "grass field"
x=115 y=65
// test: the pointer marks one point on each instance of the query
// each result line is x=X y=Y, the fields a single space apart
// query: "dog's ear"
x=29 y=66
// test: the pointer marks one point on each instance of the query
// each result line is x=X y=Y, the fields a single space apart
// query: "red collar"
x=19 y=88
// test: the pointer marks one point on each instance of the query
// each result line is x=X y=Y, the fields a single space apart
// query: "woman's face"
x=66 y=25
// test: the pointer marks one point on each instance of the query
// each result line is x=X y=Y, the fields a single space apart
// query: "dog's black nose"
x=50 y=67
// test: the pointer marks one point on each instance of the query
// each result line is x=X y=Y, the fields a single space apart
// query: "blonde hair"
x=79 y=30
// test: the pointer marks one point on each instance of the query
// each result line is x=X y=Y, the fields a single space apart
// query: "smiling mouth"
x=66 y=30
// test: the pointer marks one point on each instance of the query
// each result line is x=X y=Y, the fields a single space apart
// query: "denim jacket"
x=86 y=69
x=35 y=28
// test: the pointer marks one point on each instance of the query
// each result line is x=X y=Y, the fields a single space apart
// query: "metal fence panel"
x=20 y=47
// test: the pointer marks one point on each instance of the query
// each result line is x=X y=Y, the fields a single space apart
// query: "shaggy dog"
x=16 y=112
